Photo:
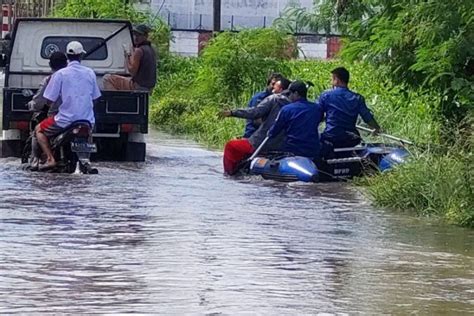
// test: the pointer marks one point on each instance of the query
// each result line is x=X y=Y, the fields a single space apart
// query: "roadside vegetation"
x=413 y=62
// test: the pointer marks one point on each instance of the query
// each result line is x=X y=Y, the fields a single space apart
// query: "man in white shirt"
x=77 y=86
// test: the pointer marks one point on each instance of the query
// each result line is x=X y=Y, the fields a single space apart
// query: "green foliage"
x=432 y=184
x=233 y=62
x=187 y=116
x=117 y=9
x=175 y=76
x=94 y=9
x=428 y=44
x=407 y=113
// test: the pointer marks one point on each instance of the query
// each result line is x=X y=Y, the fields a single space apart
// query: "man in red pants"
x=237 y=150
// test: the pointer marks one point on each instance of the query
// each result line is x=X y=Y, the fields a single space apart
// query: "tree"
x=427 y=43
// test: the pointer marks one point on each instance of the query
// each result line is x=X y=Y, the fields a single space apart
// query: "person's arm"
x=321 y=103
x=260 y=111
x=373 y=123
x=95 y=90
x=367 y=115
x=38 y=101
x=133 y=61
x=252 y=113
x=280 y=124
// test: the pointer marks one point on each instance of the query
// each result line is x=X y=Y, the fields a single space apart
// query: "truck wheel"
x=135 y=152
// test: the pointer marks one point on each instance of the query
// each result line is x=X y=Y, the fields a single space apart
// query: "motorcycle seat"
x=70 y=130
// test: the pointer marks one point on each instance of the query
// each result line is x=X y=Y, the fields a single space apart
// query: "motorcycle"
x=71 y=149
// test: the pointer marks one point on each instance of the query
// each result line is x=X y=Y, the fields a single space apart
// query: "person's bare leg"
x=44 y=144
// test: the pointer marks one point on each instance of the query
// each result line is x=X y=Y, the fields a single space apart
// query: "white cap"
x=75 y=48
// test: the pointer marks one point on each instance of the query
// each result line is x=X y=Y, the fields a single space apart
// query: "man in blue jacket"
x=251 y=126
x=341 y=108
x=299 y=120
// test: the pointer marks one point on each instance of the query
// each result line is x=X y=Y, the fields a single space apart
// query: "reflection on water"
x=174 y=236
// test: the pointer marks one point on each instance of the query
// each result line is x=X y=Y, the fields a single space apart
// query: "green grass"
x=431 y=185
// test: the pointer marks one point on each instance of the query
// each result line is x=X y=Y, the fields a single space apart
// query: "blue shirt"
x=258 y=97
x=300 y=122
x=77 y=86
x=342 y=107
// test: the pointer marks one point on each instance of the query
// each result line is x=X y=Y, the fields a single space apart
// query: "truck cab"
x=121 y=116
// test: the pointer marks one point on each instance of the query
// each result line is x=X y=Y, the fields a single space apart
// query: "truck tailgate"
x=113 y=107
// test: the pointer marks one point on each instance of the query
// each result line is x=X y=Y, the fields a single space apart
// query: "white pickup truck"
x=121 y=116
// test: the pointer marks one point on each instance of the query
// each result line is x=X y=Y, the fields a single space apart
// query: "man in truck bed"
x=141 y=64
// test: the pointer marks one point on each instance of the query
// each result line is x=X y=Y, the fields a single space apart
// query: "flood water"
x=174 y=236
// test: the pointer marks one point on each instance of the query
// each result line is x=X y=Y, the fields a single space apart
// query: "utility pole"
x=217 y=15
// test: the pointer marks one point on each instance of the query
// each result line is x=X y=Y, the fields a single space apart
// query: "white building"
x=189 y=18
x=235 y=14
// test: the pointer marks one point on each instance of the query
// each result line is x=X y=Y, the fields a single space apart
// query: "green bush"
x=233 y=63
x=176 y=75
x=430 y=184
x=183 y=115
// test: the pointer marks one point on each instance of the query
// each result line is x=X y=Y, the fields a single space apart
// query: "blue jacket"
x=300 y=122
x=342 y=107
x=250 y=126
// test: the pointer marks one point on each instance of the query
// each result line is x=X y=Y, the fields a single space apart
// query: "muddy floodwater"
x=174 y=236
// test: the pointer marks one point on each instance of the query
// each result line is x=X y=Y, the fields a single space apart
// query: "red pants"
x=235 y=151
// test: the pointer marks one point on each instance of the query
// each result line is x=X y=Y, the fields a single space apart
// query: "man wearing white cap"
x=77 y=86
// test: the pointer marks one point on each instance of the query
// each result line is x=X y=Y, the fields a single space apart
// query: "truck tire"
x=135 y=147
x=135 y=152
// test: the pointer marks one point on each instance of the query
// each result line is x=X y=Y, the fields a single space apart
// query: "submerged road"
x=174 y=236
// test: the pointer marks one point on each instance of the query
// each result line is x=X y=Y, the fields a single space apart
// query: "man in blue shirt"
x=251 y=126
x=341 y=108
x=299 y=120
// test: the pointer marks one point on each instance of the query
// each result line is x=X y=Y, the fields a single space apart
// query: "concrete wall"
x=312 y=50
x=192 y=14
x=185 y=43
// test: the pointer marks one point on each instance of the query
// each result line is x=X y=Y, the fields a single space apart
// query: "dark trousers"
x=349 y=139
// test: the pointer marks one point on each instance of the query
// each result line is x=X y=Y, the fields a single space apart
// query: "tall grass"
x=431 y=184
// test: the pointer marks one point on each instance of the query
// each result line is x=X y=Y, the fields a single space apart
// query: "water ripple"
x=172 y=235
